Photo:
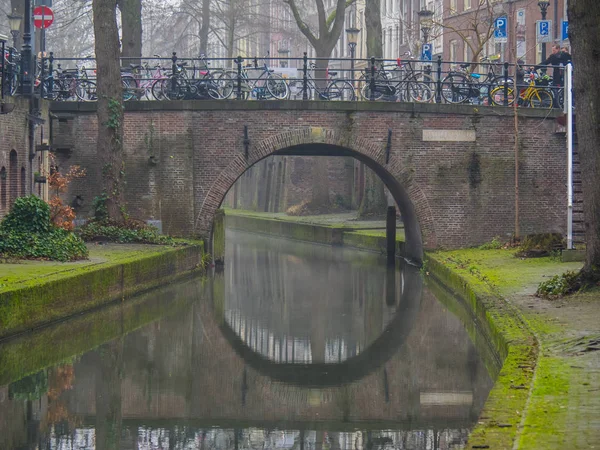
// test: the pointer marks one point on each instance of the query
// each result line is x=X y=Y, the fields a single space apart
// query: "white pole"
x=569 y=107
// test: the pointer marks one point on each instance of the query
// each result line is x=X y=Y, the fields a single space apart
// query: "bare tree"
x=328 y=28
x=584 y=17
x=475 y=29
x=110 y=106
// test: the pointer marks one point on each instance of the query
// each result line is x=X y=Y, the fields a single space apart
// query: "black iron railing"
x=406 y=79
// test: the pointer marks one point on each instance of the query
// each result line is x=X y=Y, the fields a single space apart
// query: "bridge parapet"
x=454 y=165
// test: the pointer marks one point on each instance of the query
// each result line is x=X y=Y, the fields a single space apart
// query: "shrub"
x=301 y=209
x=494 y=244
x=26 y=232
x=559 y=285
x=126 y=232
x=28 y=215
x=542 y=244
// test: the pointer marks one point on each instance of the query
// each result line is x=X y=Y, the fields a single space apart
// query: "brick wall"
x=462 y=191
x=16 y=171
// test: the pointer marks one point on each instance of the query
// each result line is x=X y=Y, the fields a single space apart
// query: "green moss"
x=544 y=424
x=516 y=345
x=35 y=301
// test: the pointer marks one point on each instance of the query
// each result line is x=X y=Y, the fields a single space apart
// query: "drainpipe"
x=569 y=107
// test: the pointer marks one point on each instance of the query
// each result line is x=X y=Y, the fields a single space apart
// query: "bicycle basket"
x=543 y=81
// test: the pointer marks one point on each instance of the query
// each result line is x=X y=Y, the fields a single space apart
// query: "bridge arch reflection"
x=355 y=367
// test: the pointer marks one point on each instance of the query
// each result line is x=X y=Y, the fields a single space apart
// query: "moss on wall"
x=500 y=419
x=25 y=308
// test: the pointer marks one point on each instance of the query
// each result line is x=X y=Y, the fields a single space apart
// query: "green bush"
x=26 y=232
x=494 y=244
x=541 y=244
x=559 y=285
x=28 y=214
x=129 y=231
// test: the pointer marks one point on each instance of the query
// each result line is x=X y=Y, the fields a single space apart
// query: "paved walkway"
x=564 y=406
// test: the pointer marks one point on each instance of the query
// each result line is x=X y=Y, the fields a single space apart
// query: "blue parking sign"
x=426 y=52
x=501 y=29
x=565 y=30
x=543 y=31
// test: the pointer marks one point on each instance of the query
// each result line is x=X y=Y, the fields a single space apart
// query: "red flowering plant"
x=62 y=215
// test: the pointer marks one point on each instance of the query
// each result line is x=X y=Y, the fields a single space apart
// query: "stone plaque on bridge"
x=449 y=135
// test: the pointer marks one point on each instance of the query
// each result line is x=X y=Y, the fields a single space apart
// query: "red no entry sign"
x=42 y=17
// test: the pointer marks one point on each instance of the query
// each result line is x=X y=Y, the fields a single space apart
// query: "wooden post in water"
x=390 y=235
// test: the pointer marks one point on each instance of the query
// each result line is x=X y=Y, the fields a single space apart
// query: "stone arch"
x=317 y=141
x=13 y=176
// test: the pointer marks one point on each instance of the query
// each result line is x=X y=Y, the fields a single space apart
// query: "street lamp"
x=14 y=23
x=26 y=56
x=426 y=21
x=352 y=38
x=543 y=4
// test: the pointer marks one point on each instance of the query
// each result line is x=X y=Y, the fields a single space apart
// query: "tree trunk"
x=204 y=27
x=373 y=200
x=320 y=191
x=320 y=72
x=584 y=17
x=110 y=106
x=131 y=21
x=373 y=29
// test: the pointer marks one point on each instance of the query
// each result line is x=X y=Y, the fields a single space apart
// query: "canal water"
x=290 y=346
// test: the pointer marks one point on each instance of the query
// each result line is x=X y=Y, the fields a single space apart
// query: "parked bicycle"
x=335 y=88
x=535 y=94
x=466 y=86
x=399 y=82
x=260 y=83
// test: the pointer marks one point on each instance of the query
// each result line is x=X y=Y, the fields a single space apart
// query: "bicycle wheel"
x=85 y=90
x=157 y=89
x=420 y=91
x=540 y=98
x=497 y=96
x=340 y=90
x=297 y=90
x=455 y=88
x=277 y=86
x=224 y=82
x=130 y=87
x=173 y=88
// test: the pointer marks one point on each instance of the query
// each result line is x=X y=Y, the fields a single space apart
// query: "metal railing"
x=406 y=79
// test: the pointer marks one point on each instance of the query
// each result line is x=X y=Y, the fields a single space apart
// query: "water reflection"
x=292 y=346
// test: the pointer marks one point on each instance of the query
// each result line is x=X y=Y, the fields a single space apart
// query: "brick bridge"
x=450 y=168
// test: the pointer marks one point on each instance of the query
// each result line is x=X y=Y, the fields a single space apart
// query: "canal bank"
x=545 y=396
x=330 y=229
x=37 y=293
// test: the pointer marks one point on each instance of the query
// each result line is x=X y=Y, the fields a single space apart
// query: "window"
x=467 y=4
x=13 y=183
x=453 y=9
x=3 y=193
x=453 y=47
x=468 y=53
